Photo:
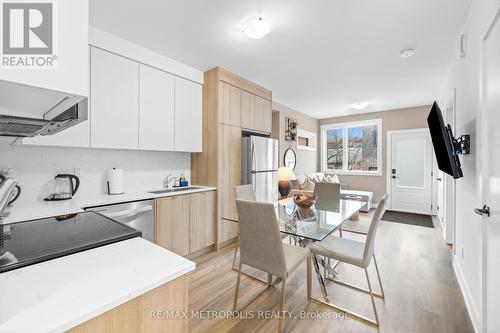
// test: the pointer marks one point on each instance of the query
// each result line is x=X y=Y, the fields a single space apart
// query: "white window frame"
x=307 y=135
x=345 y=126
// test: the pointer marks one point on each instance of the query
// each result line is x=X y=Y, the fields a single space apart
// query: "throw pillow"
x=308 y=185
x=314 y=177
x=327 y=179
x=335 y=179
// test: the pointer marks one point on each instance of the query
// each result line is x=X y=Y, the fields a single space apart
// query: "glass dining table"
x=313 y=224
x=309 y=225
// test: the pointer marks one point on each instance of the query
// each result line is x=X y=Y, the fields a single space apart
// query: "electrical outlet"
x=77 y=171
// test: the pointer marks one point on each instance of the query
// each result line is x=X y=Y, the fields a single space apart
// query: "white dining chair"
x=244 y=192
x=327 y=190
x=327 y=193
x=261 y=247
x=355 y=253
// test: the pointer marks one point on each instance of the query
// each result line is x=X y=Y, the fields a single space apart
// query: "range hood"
x=27 y=111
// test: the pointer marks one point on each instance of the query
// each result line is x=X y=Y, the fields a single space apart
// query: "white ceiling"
x=322 y=55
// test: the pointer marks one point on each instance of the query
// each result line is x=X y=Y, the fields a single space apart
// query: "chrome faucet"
x=168 y=180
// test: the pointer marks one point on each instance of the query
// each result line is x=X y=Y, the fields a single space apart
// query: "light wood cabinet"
x=135 y=315
x=256 y=112
x=172 y=223
x=201 y=221
x=247 y=115
x=186 y=223
x=156 y=109
x=265 y=113
x=114 y=101
x=230 y=104
x=188 y=115
x=230 y=168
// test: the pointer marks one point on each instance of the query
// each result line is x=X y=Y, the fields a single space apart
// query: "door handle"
x=394 y=177
x=483 y=211
x=438 y=179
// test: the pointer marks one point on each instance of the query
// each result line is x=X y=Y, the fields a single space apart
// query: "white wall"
x=465 y=76
x=36 y=166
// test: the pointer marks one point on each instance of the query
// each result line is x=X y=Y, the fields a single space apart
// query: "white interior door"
x=490 y=161
x=410 y=168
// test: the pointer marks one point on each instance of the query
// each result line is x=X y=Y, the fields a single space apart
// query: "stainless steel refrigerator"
x=259 y=166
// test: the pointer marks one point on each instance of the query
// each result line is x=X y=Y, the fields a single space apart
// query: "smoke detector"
x=406 y=53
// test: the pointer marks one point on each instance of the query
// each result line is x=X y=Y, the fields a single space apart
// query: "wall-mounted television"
x=446 y=147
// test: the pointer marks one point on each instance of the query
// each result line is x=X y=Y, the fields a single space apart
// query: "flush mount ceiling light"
x=406 y=53
x=255 y=27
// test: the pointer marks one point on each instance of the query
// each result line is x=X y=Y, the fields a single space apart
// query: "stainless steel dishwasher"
x=138 y=215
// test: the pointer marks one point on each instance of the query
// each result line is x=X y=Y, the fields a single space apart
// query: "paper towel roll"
x=115 y=181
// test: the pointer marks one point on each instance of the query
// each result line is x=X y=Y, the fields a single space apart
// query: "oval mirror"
x=290 y=159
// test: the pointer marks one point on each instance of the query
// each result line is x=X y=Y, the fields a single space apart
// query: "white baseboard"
x=469 y=303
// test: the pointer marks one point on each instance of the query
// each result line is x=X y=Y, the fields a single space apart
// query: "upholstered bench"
x=364 y=196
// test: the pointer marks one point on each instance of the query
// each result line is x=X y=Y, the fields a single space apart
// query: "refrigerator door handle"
x=253 y=156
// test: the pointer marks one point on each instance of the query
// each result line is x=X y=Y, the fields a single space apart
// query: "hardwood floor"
x=422 y=293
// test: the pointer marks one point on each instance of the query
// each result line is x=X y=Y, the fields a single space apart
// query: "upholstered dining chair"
x=355 y=253
x=261 y=247
x=327 y=190
x=244 y=192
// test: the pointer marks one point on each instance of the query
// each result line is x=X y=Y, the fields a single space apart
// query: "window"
x=352 y=148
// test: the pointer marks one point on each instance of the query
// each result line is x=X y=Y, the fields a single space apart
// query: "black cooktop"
x=31 y=242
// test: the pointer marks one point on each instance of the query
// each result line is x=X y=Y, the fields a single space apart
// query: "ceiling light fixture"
x=255 y=27
x=406 y=53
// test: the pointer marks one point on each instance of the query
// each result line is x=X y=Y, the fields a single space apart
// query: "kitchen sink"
x=176 y=189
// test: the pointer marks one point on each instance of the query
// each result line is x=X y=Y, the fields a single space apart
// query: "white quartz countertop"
x=58 y=294
x=41 y=209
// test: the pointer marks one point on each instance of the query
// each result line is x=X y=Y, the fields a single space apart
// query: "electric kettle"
x=9 y=192
x=65 y=187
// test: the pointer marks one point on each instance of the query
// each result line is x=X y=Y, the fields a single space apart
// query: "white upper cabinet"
x=138 y=100
x=70 y=38
x=156 y=109
x=114 y=97
x=188 y=115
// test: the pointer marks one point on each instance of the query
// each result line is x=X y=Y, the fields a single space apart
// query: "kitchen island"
x=114 y=288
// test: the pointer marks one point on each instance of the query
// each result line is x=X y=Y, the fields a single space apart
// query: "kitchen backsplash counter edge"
x=42 y=209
